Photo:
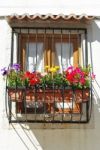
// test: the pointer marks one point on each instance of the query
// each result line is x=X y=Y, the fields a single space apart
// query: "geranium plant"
x=31 y=78
x=77 y=77
x=17 y=78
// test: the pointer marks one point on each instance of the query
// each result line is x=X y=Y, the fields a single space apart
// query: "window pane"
x=64 y=55
x=34 y=57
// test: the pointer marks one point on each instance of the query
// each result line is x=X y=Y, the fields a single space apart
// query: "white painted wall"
x=5 y=46
x=79 y=138
x=76 y=138
x=95 y=49
x=7 y=7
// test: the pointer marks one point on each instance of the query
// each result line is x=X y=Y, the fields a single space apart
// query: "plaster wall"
x=8 y=7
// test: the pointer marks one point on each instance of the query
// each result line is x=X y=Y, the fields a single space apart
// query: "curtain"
x=64 y=55
x=34 y=57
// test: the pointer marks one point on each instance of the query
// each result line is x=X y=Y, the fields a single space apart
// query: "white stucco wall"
x=72 y=139
x=5 y=46
x=49 y=6
x=95 y=50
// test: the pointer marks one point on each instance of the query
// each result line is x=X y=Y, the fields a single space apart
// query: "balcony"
x=52 y=104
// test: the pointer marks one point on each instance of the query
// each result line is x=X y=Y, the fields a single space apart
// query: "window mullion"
x=44 y=49
x=52 y=49
x=61 y=51
x=86 y=51
x=27 y=52
x=12 y=47
x=36 y=46
x=18 y=47
x=69 y=43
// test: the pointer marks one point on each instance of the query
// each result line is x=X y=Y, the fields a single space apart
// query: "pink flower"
x=82 y=81
x=93 y=76
x=44 y=74
x=70 y=69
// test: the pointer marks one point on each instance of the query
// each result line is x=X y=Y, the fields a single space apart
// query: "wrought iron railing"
x=56 y=104
x=52 y=103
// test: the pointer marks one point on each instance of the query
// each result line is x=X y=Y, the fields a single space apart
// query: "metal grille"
x=81 y=40
x=54 y=103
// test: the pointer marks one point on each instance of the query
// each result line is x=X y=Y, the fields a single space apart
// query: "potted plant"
x=51 y=86
x=13 y=81
x=79 y=78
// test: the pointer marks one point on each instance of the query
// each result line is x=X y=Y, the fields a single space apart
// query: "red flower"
x=31 y=78
x=82 y=81
x=34 y=81
x=70 y=78
x=27 y=74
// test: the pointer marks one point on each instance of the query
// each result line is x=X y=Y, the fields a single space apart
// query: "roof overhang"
x=26 y=20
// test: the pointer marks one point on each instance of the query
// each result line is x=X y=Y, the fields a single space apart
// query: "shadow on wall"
x=95 y=27
x=94 y=36
x=96 y=95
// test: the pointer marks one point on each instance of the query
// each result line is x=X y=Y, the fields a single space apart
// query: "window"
x=37 y=48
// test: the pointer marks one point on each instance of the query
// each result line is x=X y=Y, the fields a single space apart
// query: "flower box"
x=52 y=92
x=15 y=94
x=82 y=95
x=58 y=100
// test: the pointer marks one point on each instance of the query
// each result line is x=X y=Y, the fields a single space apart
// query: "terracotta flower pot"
x=60 y=100
x=15 y=94
x=81 y=95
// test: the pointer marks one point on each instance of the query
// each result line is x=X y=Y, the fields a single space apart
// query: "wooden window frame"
x=49 y=48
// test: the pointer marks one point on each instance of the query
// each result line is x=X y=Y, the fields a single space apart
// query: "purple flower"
x=4 y=71
x=16 y=67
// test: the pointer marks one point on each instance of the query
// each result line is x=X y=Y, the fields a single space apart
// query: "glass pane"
x=64 y=55
x=34 y=57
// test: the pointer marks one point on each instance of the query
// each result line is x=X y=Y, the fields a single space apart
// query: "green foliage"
x=77 y=77
x=14 y=78
x=56 y=78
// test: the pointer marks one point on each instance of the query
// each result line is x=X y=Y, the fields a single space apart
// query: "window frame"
x=21 y=38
